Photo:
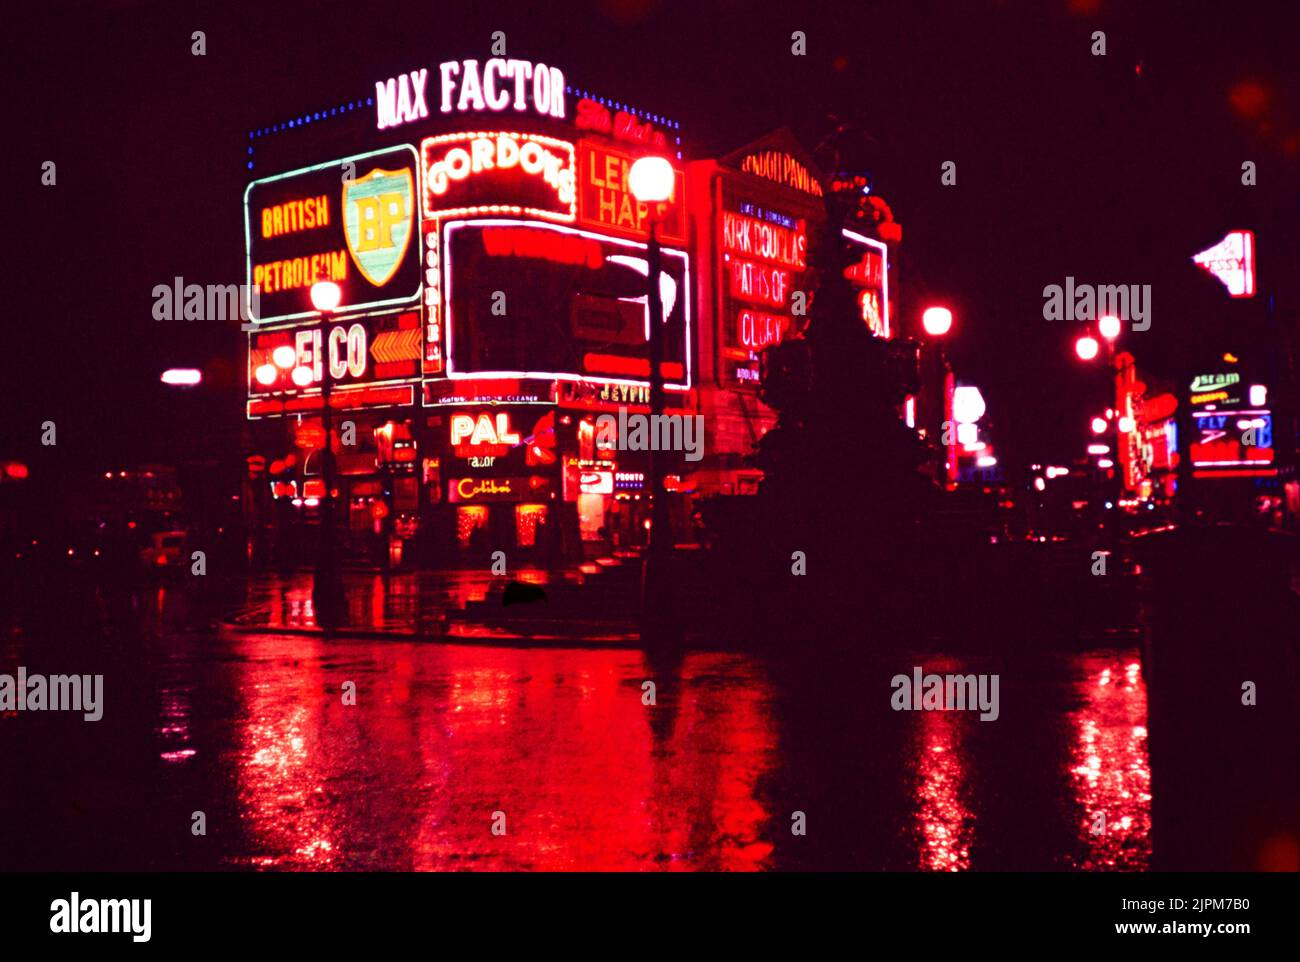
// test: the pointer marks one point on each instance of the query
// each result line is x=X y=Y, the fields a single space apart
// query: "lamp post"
x=327 y=584
x=651 y=182
x=937 y=322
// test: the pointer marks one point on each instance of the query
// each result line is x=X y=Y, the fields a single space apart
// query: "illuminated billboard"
x=764 y=260
x=375 y=350
x=525 y=299
x=1233 y=442
x=606 y=203
x=869 y=275
x=498 y=173
x=351 y=221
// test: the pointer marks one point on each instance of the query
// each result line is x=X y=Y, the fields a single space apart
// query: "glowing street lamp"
x=266 y=374
x=182 y=376
x=651 y=181
x=327 y=587
x=1086 y=347
x=284 y=357
x=937 y=321
x=1127 y=425
x=1109 y=327
x=1099 y=425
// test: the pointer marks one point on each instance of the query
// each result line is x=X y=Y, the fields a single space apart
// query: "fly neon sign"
x=500 y=84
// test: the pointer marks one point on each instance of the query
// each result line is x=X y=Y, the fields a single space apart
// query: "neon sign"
x=370 y=350
x=781 y=168
x=621 y=126
x=602 y=311
x=482 y=430
x=500 y=85
x=765 y=240
x=1232 y=261
x=482 y=489
x=499 y=172
x=871 y=276
x=350 y=221
x=606 y=202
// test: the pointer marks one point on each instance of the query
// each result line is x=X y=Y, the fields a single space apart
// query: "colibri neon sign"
x=501 y=84
x=467 y=173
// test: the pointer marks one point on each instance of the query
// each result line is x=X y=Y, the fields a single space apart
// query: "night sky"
x=1112 y=169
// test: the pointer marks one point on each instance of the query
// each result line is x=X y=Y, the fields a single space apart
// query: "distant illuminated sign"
x=537 y=488
x=1233 y=440
x=351 y=221
x=765 y=255
x=870 y=276
x=499 y=172
x=483 y=433
x=1221 y=388
x=621 y=125
x=1232 y=261
x=782 y=168
x=605 y=201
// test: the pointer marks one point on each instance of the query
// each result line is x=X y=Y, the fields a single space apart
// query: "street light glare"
x=1098 y=425
x=266 y=374
x=284 y=357
x=182 y=376
x=1109 y=326
x=326 y=296
x=1086 y=347
x=651 y=179
x=937 y=321
x=302 y=375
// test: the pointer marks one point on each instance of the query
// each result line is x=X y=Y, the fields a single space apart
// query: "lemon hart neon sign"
x=465 y=86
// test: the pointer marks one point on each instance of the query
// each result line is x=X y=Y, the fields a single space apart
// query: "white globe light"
x=1127 y=425
x=1086 y=347
x=284 y=357
x=325 y=296
x=967 y=405
x=937 y=321
x=1109 y=326
x=266 y=374
x=302 y=376
x=651 y=179
x=1098 y=425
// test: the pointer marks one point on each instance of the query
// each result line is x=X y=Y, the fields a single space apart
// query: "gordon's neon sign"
x=504 y=165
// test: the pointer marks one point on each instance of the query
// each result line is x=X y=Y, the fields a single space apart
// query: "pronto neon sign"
x=503 y=165
x=499 y=85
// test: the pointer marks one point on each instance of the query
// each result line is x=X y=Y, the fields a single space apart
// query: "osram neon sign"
x=499 y=172
x=501 y=84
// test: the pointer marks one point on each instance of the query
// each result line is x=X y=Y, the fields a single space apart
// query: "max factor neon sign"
x=500 y=84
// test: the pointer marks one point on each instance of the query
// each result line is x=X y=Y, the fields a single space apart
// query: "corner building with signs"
x=492 y=262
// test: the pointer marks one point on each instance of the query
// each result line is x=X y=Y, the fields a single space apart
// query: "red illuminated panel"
x=400 y=395
x=615 y=364
x=605 y=202
x=759 y=283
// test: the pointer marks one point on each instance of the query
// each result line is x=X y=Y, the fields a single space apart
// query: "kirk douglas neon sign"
x=498 y=173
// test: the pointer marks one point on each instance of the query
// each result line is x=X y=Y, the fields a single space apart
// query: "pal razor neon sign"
x=499 y=84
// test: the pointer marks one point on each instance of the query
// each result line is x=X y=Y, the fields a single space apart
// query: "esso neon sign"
x=468 y=429
x=347 y=351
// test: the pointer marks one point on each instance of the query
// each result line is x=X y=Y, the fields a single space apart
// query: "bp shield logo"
x=378 y=210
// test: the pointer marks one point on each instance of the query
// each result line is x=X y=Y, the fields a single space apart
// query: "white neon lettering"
x=448 y=71
x=471 y=95
x=496 y=99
